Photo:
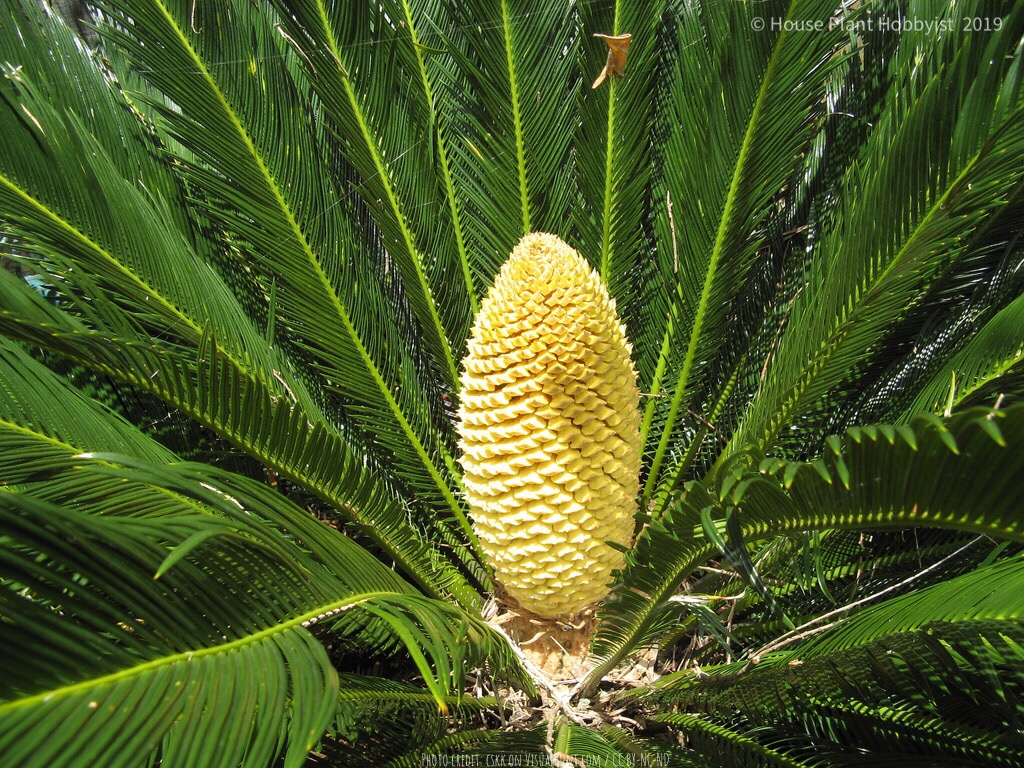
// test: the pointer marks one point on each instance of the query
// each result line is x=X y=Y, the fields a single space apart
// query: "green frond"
x=986 y=367
x=146 y=287
x=814 y=575
x=137 y=659
x=928 y=673
x=288 y=209
x=899 y=230
x=761 y=116
x=240 y=409
x=194 y=507
x=164 y=609
x=38 y=407
x=508 y=112
x=68 y=451
x=614 y=148
x=727 y=744
x=389 y=143
x=955 y=475
x=987 y=593
x=377 y=691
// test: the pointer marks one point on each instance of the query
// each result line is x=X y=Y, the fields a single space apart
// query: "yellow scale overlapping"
x=549 y=427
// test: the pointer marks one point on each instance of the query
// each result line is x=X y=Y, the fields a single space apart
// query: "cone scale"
x=549 y=430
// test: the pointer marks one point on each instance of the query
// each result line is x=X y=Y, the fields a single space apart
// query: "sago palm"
x=725 y=470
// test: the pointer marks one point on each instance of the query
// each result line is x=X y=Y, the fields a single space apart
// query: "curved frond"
x=986 y=366
x=759 y=116
x=389 y=143
x=244 y=412
x=958 y=475
x=927 y=673
x=163 y=611
x=286 y=206
x=900 y=229
x=508 y=110
x=167 y=645
x=144 y=290
x=614 y=145
x=724 y=743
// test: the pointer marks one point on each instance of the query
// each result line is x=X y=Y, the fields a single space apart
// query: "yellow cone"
x=549 y=427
